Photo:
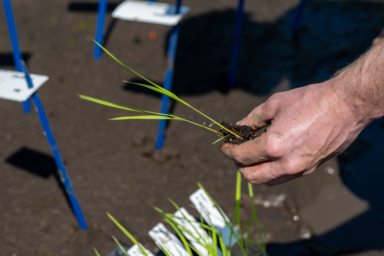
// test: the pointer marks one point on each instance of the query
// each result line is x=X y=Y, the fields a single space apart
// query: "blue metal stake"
x=56 y=153
x=101 y=11
x=236 y=41
x=299 y=14
x=172 y=46
x=15 y=45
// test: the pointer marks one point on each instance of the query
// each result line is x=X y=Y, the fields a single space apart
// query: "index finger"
x=261 y=115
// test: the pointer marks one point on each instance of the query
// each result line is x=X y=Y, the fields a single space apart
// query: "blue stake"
x=101 y=11
x=236 y=40
x=299 y=14
x=15 y=45
x=172 y=45
x=56 y=153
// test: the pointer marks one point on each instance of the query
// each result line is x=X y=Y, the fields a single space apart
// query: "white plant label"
x=212 y=216
x=150 y=12
x=198 y=236
x=167 y=241
x=13 y=85
x=135 y=251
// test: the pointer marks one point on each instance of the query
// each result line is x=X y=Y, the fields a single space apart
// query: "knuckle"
x=274 y=100
x=274 y=148
x=293 y=167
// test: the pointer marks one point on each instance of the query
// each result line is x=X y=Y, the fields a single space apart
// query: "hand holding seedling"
x=312 y=124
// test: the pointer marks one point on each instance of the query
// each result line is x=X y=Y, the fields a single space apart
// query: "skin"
x=311 y=124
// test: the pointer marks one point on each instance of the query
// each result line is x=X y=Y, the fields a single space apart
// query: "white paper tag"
x=198 y=236
x=212 y=216
x=135 y=251
x=150 y=12
x=13 y=85
x=167 y=241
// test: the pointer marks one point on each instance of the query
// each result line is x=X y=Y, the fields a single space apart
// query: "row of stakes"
x=20 y=86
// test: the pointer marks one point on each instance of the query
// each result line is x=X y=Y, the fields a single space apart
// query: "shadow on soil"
x=331 y=35
x=90 y=7
x=6 y=59
x=38 y=164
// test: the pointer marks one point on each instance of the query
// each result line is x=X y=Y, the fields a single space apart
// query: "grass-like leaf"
x=120 y=246
x=109 y=104
x=97 y=253
x=127 y=234
x=147 y=117
x=223 y=137
x=161 y=90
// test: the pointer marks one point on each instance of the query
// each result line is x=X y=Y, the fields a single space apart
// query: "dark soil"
x=113 y=165
x=244 y=131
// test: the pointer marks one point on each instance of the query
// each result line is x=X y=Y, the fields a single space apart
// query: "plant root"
x=244 y=131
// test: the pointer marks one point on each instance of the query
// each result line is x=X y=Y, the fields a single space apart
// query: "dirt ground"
x=338 y=210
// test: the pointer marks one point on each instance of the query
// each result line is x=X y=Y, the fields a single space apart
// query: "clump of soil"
x=244 y=131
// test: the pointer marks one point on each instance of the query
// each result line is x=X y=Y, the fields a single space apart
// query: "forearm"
x=361 y=85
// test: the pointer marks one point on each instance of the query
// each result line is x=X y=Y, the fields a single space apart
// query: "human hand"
x=309 y=126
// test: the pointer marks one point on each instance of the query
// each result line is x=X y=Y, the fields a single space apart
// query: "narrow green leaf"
x=182 y=238
x=127 y=234
x=223 y=246
x=162 y=91
x=146 y=117
x=97 y=253
x=109 y=104
x=218 y=140
x=211 y=124
x=238 y=197
x=161 y=88
x=120 y=246
x=121 y=63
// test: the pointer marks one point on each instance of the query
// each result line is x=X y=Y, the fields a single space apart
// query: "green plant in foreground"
x=243 y=241
x=154 y=115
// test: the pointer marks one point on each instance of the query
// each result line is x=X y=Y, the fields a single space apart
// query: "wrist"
x=353 y=93
x=344 y=106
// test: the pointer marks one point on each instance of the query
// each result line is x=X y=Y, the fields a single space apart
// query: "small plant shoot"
x=200 y=238
x=226 y=132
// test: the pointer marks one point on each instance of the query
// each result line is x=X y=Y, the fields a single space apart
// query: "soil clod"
x=244 y=131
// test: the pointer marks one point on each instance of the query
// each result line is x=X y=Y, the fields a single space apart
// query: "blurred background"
x=113 y=166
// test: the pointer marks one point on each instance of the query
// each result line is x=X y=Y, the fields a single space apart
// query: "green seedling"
x=155 y=115
x=216 y=239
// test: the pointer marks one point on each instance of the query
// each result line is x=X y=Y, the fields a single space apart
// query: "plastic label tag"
x=198 y=237
x=135 y=251
x=13 y=85
x=150 y=12
x=167 y=241
x=213 y=217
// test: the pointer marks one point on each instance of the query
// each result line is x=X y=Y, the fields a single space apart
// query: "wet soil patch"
x=244 y=131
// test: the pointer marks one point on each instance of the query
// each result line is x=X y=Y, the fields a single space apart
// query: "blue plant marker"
x=15 y=45
x=56 y=153
x=236 y=40
x=299 y=14
x=101 y=11
x=172 y=46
